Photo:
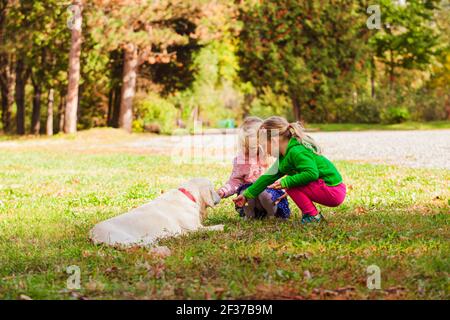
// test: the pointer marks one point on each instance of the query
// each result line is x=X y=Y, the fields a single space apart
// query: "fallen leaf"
x=329 y=292
x=78 y=296
x=395 y=290
x=157 y=271
x=133 y=249
x=86 y=254
x=345 y=289
x=300 y=256
x=24 y=297
x=307 y=275
x=219 y=290
x=112 y=269
x=141 y=286
x=160 y=251
x=94 y=286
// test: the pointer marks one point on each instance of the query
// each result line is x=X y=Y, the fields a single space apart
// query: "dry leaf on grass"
x=360 y=210
x=307 y=275
x=160 y=251
x=94 y=286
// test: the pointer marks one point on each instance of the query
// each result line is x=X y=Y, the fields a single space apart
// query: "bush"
x=396 y=115
x=269 y=104
x=366 y=111
x=155 y=112
x=428 y=107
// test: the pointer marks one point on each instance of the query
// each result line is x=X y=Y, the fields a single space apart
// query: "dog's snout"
x=216 y=197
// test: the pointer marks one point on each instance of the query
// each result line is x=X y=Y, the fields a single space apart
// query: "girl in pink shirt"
x=248 y=165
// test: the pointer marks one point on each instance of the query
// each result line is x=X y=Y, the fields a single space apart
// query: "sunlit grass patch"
x=396 y=218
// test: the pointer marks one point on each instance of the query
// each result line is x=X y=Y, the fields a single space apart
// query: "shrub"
x=396 y=115
x=154 y=111
x=367 y=111
x=268 y=104
x=428 y=107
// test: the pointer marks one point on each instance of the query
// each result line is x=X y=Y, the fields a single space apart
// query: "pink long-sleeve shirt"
x=243 y=172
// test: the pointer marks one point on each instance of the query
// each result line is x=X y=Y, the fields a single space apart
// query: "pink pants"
x=317 y=191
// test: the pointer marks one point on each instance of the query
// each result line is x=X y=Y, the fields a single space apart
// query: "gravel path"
x=426 y=148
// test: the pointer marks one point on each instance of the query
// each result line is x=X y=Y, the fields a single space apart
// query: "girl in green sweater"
x=300 y=169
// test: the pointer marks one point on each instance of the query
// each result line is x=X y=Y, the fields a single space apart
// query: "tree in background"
x=202 y=84
x=7 y=62
x=70 y=117
x=440 y=78
x=407 y=38
x=37 y=38
x=215 y=92
x=143 y=30
x=309 y=51
x=182 y=60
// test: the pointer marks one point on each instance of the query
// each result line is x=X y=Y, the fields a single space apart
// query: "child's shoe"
x=306 y=218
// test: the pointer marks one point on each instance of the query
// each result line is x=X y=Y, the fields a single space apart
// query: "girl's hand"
x=276 y=185
x=277 y=201
x=240 y=200
x=221 y=193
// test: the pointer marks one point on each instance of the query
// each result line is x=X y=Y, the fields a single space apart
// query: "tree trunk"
x=372 y=77
x=4 y=96
x=447 y=106
x=7 y=83
x=36 y=113
x=128 y=87
x=10 y=99
x=110 y=107
x=196 y=115
x=116 y=59
x=70 y=119
x=391 y=71
x=296 y=109
x=50 y=113
x=21 y=79
x=116 y=107
x=61 y=112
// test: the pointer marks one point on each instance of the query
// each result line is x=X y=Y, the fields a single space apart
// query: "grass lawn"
x=361 y=126
x=396 y=218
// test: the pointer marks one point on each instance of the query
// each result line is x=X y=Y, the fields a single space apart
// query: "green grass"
x=395 y=218
x=362 y=127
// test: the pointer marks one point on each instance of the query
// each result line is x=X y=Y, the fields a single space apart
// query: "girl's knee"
x=293 y=191
x=265 y=196
x=251 y=203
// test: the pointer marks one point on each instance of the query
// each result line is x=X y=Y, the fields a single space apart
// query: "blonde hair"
x=248 y=136
x=288 y=130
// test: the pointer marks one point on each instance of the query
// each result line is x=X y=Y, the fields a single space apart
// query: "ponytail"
x=298 y=131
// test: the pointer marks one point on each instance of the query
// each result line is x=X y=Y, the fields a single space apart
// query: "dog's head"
x=203 y=191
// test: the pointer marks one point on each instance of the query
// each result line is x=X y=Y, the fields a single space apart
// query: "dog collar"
x=187 y=194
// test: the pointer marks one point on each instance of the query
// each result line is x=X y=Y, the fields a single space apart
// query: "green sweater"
x=300 y=165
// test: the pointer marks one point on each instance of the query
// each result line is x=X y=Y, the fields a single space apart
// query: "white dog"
x=173 y=213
